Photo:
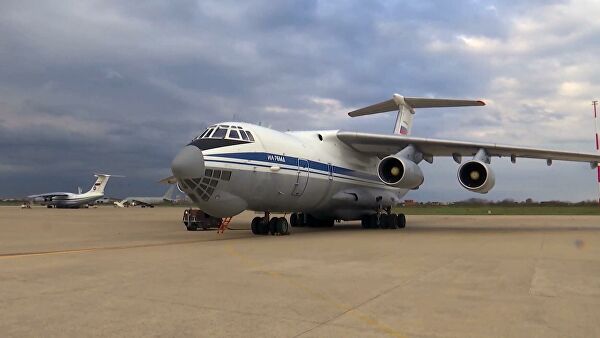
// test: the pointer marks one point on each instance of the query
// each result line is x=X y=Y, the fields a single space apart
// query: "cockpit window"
x=219 y=133
x=205 y=133
x=226 y=132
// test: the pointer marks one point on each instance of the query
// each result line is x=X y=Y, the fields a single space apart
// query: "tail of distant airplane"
x=168 y=196
x=100 y=183
x=406 y=106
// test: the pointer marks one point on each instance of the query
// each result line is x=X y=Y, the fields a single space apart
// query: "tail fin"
x=406 y=106
x=169 y=194
x=101 y=181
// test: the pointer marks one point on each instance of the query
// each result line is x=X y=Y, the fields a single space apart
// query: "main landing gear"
x=384 y=221
x=267 y=225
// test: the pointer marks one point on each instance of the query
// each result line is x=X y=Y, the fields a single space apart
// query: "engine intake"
x=476 y=176
x=400 y=172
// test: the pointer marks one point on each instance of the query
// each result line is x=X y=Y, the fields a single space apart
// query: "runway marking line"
x=346 y=308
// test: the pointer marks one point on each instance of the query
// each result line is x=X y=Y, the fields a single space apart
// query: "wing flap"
x=383 y=145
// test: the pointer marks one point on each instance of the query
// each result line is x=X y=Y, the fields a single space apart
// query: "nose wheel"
x=266 y=225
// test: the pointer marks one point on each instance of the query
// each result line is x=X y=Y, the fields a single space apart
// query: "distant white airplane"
x=72 y=200
x=323 y=176
x=148 y=201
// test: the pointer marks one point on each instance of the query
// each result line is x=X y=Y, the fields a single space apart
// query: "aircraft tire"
x=374 y=221
x=263 y=226
x=327 y=223
x=384 y=221
x=255 y=225
x=368 y=222
x=272 y=226
x=401 y=221
x=365 y=222
x=294 y=220
x=282 y=226
x=393 y=221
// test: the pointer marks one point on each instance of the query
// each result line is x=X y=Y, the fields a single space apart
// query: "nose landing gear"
x=266 y=225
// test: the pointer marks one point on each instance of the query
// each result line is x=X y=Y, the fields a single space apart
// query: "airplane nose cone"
x=189 y=163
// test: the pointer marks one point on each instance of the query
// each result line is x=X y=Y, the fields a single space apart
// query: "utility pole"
x=595 y=103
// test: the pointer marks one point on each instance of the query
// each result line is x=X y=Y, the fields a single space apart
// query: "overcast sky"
x=119 y=86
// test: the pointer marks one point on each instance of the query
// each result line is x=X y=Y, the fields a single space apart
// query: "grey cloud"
x=120 y=86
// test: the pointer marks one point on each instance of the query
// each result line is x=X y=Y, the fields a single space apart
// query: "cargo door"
x=302 y=178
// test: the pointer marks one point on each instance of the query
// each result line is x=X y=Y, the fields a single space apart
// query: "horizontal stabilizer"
x=413 y=102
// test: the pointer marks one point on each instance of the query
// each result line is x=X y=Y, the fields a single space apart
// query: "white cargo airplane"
x=71 y=200
x=148 y=201
x=324 y=176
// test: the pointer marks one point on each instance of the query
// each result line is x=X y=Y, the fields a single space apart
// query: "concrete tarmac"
x=138 y=273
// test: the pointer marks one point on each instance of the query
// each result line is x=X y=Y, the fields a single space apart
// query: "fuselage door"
x=302 y=178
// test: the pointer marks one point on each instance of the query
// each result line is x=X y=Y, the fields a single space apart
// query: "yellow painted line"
x=369 y=320
x=83 y=250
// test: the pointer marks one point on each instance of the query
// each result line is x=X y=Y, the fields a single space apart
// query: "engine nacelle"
x=476 y=176
x=400 y=172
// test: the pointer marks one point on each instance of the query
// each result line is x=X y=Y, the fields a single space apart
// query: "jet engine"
x=476 y=176
x=400 y=172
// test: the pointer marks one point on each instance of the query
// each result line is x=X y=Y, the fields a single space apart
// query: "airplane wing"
x=384 y=145
x=168 y=180
x=140 y=203
x=48 y=195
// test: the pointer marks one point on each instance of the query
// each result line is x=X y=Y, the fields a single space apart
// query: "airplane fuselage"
x=68 y=200
x=311 y=172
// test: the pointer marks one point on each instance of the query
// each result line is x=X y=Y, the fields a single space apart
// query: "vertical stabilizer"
x=100 y=183
x=404 y=119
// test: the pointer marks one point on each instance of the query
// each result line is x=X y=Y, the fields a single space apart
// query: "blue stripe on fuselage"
x=293 y=161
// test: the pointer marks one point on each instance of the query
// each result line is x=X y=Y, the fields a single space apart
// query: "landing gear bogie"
x=384 y=221
x=273 y=226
